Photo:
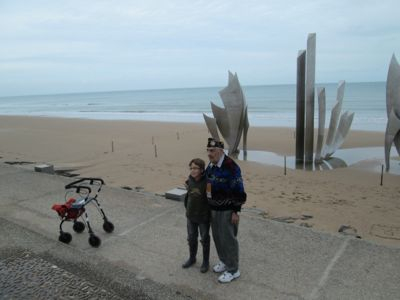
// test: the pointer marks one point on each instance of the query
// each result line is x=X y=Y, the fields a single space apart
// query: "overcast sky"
x=85 y=45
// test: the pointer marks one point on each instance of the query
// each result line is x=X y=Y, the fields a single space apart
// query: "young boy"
x=197 y=213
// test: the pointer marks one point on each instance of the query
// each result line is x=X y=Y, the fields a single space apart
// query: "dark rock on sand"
x=348 y=230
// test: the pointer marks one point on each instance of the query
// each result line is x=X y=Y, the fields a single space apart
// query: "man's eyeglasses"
x=194 y=168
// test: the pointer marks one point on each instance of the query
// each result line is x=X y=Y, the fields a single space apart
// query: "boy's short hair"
x=198 y=162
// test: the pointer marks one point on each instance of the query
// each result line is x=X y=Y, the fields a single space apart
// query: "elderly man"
x=225 y=194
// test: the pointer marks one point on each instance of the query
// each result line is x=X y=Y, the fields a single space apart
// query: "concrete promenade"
x=142 y=258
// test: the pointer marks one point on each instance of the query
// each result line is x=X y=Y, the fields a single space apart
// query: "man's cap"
x=212 y=143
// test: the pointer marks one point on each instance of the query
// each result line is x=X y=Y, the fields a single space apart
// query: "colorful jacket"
x=225 y=190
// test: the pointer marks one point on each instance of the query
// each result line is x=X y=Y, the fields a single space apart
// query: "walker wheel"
x=65 y=237
x=94 y=241
x=108 y=226
x=78 y=226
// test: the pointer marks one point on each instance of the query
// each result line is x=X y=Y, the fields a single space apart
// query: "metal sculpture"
x=321 y=123
x=335 y=114
x=305 y=108
x=300 y=106
x=232 y=120
x=310 y=94
x=337 y=133
x=392 y=134
x=340 y=135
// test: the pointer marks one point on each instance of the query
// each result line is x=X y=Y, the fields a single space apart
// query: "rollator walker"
x=86 y=191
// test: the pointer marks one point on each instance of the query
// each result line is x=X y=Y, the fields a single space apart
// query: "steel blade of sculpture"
x=323 y=166
x=309 y=97
x=336 y=163
x=246 y=126
x=232 y=120
x=212 y=126
x=300 y=105
x=321 y=123
x=222 y=120
x=392 y=134
x=336 y=133
x=343 y=129
x=234 y=102
x=335 y=114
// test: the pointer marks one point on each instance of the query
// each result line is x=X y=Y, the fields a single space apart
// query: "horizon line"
x=169 y=89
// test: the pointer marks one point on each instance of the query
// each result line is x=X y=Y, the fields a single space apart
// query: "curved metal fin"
x=335 y=114
x=391 y=134
x=212 y=126
x=393 y=87
x=222 y=121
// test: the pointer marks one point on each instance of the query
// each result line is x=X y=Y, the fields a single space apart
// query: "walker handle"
x=78 y=188
x=91 y=179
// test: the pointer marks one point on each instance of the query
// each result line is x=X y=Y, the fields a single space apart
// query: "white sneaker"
x=219 y=267
x=228 y=277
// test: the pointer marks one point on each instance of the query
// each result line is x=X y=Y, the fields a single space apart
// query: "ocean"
x=268 y=105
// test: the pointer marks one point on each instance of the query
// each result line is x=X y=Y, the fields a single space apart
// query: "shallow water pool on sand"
x=342 y=158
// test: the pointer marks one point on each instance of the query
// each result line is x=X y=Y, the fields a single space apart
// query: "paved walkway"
x=142 y=258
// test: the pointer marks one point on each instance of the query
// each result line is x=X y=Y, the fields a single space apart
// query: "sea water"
x=268 y=105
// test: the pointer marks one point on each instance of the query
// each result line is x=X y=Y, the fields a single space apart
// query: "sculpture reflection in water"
x=347 y=157
x=331 y=163
x=392 y=134
x=232 y=120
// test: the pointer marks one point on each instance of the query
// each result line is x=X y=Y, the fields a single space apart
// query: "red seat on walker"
x=66 y=211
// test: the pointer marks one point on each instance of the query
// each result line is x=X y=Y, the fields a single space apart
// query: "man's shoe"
x=228 y=277
x=219 y=267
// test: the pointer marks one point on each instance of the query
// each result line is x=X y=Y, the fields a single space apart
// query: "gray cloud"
x=189 y=43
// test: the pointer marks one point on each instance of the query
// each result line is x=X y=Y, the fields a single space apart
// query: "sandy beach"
x=123 y=153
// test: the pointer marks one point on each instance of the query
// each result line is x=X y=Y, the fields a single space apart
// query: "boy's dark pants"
x=193 y=233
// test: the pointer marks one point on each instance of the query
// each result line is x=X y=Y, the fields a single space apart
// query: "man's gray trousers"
x=224 y=234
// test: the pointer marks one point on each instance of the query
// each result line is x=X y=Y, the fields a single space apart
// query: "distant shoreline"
x=192 y=119
x=268 y=106
x=176 y=88
x=189 y=120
